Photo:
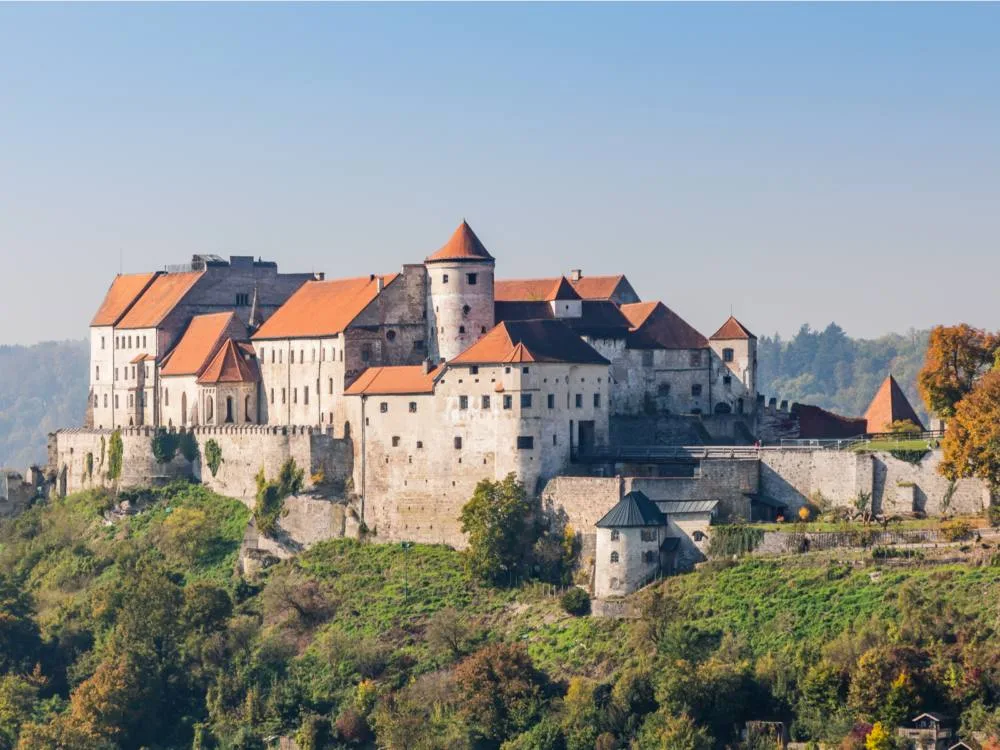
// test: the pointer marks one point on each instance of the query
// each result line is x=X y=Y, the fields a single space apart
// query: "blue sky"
x=798 y=163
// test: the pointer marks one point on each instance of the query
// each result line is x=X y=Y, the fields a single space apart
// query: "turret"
x=459 y=294
x=736 y=351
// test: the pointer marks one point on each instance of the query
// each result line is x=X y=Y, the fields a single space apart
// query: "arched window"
x=614 y=557
x=209 y=409
x=246 y=409
x=615 y=534
x=229 y=409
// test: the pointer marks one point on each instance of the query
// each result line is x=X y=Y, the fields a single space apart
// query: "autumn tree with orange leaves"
x=957 y=357
x=972 y=443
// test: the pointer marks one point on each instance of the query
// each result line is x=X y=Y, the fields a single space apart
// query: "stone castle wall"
x=245 y=450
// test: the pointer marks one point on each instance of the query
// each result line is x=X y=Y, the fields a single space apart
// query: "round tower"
x=459 y=294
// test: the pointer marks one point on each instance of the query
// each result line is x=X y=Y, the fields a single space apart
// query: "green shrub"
x=213 y=456
x=734 y=539
x=956 y=531
x=271 y=495
x=164 y=446
x=115 y=451
x=90 y=466
x=576 y=602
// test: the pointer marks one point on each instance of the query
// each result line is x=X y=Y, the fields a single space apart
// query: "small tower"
x=736 y=349
x=459 y=294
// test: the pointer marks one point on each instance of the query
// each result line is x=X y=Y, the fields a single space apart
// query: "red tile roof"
x=403 y=379
x=322 y=308
x=162 y=296
x=463 y=245
x=819 y=424
x=656 y=326
x=124 y=290
x=230 y=365
x=534 y=290
x=732 y=329
x=141 y=358
x=597 y=287
x=530 y=341
x=199 y=342
x=890 y=405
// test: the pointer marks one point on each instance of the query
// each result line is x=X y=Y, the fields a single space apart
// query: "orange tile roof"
x=322 y=308
x=141 y=358
x=199 y=342
x=890 y=405
x=162 y=296
x=656 y=326
x=463 y=245
x=533 y=290
x=732 y=329
x=530 y=341
x=397 y=380
x=597 y=287
x=124 y=290
x=230 y=365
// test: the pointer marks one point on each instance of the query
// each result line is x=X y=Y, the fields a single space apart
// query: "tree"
x=448 y=634
x=957 y=356
x=879 y=738
x=972 y=443
x=20 y=641
x=17 y=699
x=499 y=690
x=664 y=732
x=496 y=522
x=186 y=534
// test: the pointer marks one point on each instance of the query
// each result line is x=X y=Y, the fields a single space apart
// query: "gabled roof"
x=534 y=290
x=635 y=509
x=199 y=342
x=124 y=290
x=397 y=380
x=322 y=308
x=231 y=364
x=531 y=341
x=890 y=405
x=656 y=326
x=939 y=718
x=463 y=245
x=732 y=329
x=159 y=299
x=597 y=287
x=598 y=318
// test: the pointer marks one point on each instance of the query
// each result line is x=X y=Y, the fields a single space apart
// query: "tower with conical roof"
x=459 y=294
x=735 y=367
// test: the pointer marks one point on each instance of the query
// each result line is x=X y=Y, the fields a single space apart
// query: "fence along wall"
x=244 y=450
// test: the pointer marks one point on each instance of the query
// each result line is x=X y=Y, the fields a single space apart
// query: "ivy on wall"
x=213 y=456
x=115 y=451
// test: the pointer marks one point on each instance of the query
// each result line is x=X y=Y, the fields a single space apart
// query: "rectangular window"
x=395 y=441
x=525 y=400
x=283 y=395
x=525 y=370
x=129 y=342
x=696 y=389
x=281 y=354
x=474 y=370
x=331 y=386
x=551 y=399
x=302 y=356
x=291 y=357
x=727 y=355
x=413 y=407
x=420 y=444
x=555 y=440
x=485 y=402
x=647 y=358
x=272 y=395
x=97 y=376
x=597 y=400
x=579 y=401
x=366 y=352
x=130 y=399
x=305 y=394
x=727 y=379
x=116 y=400
x=696 y=358
x=295 y=395
x=458 y=443
x=116 y=373
x=648 y=535
x=314 y=355
x=143 y=342
x=384 y=407
x=463 y=402
x=525 y=442
x=444 y=278
x=472 y=278
x=102 y=342
x=508 y=401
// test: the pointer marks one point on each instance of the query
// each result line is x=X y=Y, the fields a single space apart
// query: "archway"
x=723 y=409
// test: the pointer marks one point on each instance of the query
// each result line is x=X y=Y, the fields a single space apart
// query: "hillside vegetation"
x=139 y=634
x=829 y=369
x=42 y=388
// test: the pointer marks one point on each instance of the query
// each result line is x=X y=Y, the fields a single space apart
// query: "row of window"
x=508 y=402
x=648 y=557
x=125 y=372
x=125 y=342
x=470 y=278
x=647 y=535
x=695 y=358
x=524 y=442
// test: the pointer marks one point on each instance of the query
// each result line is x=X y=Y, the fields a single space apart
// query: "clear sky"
x=798 y=163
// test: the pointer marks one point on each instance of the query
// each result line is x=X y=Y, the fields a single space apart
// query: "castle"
x=400 y=392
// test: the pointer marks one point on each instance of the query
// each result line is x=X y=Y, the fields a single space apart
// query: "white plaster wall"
x=631 y=571
x=446 y=301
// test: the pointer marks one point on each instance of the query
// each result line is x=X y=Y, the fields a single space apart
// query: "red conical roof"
x=732 y=329
x=463 y=245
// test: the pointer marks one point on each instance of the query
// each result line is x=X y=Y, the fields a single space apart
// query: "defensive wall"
x=244 y=451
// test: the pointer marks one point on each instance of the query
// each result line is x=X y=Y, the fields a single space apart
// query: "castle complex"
x=404 y=390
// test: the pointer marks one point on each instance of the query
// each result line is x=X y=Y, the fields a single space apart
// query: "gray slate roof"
x=687 y=506
x=635 y=509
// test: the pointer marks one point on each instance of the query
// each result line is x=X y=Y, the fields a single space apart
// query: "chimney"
x=380 y=284
x=576 y=274
x=426 y=366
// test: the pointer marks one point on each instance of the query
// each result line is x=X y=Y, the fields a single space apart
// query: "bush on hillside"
x=576 y=602
x=956 y=531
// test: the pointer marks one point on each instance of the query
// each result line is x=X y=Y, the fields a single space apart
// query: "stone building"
x=633 y=546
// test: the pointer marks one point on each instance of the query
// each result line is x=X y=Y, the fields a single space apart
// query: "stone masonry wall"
x=796 y=476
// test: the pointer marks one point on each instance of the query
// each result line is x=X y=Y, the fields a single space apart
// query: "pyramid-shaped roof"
x=464 y=245
x=229 y=365
x=530 y=341
x=890 y=405
x=732 y=329
x=635 y=509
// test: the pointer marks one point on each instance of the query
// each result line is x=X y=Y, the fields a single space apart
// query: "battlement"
x=244 y=429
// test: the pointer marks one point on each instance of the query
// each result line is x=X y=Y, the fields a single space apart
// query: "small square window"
x=551 y=398
x=525 y=400
x=696 y=389
x=727 y=355
x=727 y=379
x=383 y=407
x=508 y=401
x=525 y=442
x=420 y=444
x=463 y=402
x=525 y=370
x=474 y=370
x=395 y=441
x=413 y=407
x=472 y=278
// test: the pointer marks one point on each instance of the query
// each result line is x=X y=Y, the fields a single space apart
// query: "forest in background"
x=44 y=387
x=830 y=369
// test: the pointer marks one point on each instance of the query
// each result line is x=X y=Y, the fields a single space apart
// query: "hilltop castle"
x=400 y=392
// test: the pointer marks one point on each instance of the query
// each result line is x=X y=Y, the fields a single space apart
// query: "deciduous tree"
x=957 y=356
x=496 y=522
x=972 y=443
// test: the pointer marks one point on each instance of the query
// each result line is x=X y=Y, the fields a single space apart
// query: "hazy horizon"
x=793 y=163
